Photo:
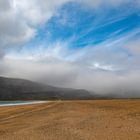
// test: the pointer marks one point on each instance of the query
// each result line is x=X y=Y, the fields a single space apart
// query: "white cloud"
x=103 y=67
x=98 y=3
x=19 y=20
x=13 y=29
x=38 y=11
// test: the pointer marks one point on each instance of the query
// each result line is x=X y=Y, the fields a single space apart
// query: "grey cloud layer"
x=76 y=76
x=115 y=73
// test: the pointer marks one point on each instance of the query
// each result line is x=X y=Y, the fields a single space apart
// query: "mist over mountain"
x=20 y=89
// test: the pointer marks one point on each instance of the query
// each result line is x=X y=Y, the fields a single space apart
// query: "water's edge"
x=16 y=103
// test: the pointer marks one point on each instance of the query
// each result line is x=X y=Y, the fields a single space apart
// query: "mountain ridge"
x=22 y=89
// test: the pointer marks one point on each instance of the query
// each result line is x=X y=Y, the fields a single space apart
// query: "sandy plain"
x=72 y=120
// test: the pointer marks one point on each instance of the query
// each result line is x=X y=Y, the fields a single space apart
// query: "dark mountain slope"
x=20 y=89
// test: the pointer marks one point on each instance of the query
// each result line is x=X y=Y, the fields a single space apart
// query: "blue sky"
x=59 y=41
x=84 y=27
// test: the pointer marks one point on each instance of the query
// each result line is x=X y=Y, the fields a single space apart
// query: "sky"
x=88 y=44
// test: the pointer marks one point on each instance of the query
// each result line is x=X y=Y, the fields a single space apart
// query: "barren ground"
x=72 y=120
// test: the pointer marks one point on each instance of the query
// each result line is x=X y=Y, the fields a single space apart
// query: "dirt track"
x=72 y=120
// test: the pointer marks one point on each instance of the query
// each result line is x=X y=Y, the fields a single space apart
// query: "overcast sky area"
x=88 y=44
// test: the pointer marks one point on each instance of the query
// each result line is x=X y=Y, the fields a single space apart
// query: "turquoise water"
x=13 y=103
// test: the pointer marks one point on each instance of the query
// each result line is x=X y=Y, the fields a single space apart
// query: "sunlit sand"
x=72 y=120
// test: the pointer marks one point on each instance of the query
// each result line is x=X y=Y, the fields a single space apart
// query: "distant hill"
x=20 y=89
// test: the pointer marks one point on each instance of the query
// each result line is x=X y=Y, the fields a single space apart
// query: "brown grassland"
x=72 y=120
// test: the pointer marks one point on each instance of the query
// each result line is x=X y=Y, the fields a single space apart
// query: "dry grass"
x=72 y=120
